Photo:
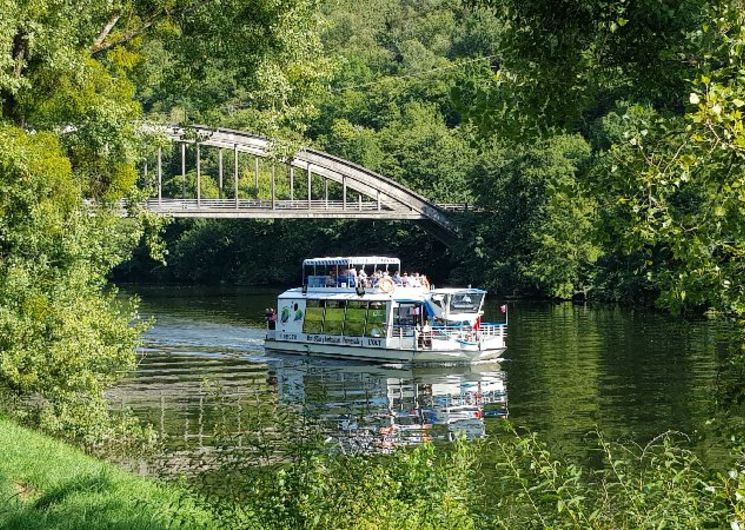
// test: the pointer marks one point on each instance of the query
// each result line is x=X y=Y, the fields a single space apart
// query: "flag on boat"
x=503 y=308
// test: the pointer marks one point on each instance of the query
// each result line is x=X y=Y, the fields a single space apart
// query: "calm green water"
x=206 y=385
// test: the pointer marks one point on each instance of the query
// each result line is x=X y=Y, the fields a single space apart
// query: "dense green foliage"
x=63 y=335
x=602 y=140
x=660 y=197
x=69 y=74
x=508 y=481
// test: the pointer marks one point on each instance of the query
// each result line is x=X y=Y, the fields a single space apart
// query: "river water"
x=205 y=383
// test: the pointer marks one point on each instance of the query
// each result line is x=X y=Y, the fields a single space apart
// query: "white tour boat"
x=362 y=307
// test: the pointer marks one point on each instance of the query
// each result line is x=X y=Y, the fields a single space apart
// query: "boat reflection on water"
x=209 y=407
x=378 y=407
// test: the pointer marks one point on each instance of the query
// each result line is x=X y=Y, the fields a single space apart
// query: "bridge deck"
x=283 y=209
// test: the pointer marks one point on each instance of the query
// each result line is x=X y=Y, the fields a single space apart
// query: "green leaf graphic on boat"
x=285 y=316
x=299 y=314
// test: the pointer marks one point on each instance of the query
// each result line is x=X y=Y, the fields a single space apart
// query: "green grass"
x=47 y=484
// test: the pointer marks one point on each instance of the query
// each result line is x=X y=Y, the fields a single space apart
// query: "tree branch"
x=105 y=32
x=19 y=52
x=102 y=45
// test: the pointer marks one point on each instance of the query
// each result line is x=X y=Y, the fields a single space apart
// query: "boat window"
x=404 y=318
x=334 y=323
x=439 y=300
x=355 y=323
x=375 y=320
x=465 y=302
x=406 y=314
x=313 y=322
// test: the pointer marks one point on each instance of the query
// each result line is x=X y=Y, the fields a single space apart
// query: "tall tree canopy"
x=75 y=77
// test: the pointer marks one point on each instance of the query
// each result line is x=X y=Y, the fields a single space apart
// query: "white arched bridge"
x=240 y=176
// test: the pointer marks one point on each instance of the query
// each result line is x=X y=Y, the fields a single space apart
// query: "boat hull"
x=465 y=353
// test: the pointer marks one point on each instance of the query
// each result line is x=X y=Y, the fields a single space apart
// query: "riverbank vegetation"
x=510 y=481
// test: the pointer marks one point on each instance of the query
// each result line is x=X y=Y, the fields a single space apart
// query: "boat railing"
x=423 y=336
x=402 y=330
x=493 y=329
x=457 y=331
x=320 y=281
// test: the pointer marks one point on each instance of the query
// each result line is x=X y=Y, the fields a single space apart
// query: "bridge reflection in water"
x=213 y=408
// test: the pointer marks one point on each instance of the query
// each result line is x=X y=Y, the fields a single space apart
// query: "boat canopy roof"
x=401 y=295
x=451 y=290
x=353 y=260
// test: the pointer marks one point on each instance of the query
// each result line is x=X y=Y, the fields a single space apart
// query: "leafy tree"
x=562 y=65
x=536 y=233
x=71 y=74
x=672 y=188
x=62 y=336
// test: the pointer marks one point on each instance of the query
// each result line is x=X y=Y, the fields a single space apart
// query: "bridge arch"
x=388 y=199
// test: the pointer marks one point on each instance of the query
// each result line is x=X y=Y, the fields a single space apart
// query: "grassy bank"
x=47 y=484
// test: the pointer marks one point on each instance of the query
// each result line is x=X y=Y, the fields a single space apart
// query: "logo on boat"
x=284 y=316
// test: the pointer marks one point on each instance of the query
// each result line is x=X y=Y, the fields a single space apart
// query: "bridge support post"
x=219 y=172
x=344 y=192
x=309 y=187
x=378 y=200
x=274 y=171
x=199 y=178
x=160 y=176
x=292 y=183
x=256 y=176
x=183 y=170
x=235 y=172
x=326 y=192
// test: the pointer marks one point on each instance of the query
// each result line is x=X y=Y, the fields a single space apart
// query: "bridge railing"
x=165 y=205
x=459 y=207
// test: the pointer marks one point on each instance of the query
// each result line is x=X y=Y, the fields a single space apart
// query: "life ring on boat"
x=386 y=285
x=425 y=283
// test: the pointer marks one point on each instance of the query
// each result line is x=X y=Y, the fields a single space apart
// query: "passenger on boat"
x=415 y=312
x=415 y=282
x=271 y=318
x=397 y=278
x=331 y=279
x=352 y=277
x=425 y=334
x=362 y=275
